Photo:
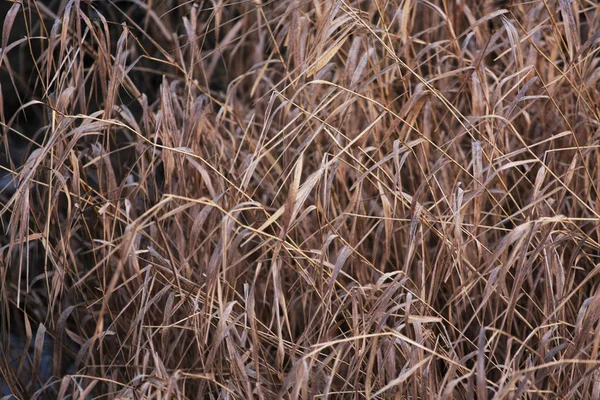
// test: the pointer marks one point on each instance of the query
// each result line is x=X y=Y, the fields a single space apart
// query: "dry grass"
x=295 y=198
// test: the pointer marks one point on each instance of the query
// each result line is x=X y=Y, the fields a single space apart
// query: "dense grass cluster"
x=296 y=198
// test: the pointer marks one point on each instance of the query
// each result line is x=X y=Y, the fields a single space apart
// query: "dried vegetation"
x=267 y=199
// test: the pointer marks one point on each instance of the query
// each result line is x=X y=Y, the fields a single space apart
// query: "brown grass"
x=297 y=198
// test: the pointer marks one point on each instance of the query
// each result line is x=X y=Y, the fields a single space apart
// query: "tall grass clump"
x=237 y=199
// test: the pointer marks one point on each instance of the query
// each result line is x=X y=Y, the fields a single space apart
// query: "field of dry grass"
x=237 y=199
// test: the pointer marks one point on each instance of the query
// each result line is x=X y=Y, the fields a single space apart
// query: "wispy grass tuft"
x=296 y=199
